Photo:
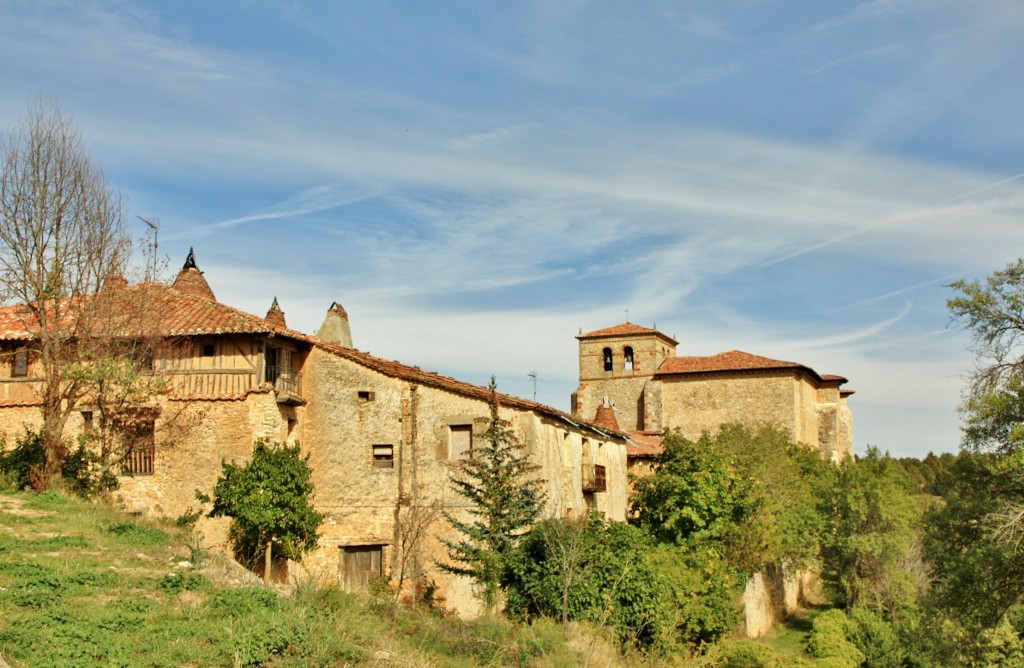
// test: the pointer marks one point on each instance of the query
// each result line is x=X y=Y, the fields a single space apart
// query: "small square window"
x=364 y=395
x=460 y=445
x=207 y=350
x=19 y=365
x=384 y=456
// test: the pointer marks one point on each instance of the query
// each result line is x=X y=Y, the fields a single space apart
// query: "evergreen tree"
x=505 y=499
x=269 y=501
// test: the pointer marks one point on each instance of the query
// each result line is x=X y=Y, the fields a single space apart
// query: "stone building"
x=635 y=371
x=383 y=438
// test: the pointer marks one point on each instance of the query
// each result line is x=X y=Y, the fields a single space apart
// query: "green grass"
x=83 y=584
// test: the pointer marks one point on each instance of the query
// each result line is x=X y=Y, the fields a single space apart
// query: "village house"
x=383 y=438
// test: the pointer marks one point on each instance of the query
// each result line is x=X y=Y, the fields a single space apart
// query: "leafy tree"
x=873 y=530
x=696 y=494
x=270 y=503
x=993 y=311
x=505 y=500
x=585 y=569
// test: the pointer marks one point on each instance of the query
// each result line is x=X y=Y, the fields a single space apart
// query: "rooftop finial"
x=190 y=261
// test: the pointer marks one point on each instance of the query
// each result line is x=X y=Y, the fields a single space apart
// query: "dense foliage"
x=590 y=570
x=23 y=467
x=269 y=501
x=505 y=499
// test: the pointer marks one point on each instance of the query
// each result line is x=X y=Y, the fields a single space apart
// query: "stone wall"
x=698 y=403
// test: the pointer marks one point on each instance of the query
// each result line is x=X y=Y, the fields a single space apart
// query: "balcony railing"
x=287 y=382
x=594 y=479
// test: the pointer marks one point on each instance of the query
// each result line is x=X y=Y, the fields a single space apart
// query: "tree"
x=64 y=250
x=873 y=529
x=696 y=494
x=993 y=311
x=269 y=501
x=505 y=500
x=587 y=569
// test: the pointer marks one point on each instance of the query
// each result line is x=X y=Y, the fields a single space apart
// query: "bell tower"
x=617 y=364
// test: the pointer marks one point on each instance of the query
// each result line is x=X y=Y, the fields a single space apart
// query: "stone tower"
x=618 y=364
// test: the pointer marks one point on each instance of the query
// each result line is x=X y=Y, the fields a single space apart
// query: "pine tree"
x=506 y=499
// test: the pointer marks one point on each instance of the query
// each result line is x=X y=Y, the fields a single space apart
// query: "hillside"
x=83 y=584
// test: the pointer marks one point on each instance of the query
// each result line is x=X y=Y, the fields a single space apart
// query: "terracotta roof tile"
x=644 y=444
x=624 y=329
x=733 y=361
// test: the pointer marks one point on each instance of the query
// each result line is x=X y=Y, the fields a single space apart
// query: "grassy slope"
x=82 y=584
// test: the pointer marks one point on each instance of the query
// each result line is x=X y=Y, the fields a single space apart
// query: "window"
x=19 y=364
x=140 y=447
x=607 y=359
x=460 y=444
x=384 y=456
x=207 y=350
x=600 y=479
x=270 y=368
x=360 y=564
x=628 y=356
x=365 y=396
x=87 y=421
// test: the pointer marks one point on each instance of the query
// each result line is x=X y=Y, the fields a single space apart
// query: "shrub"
x=830 y=640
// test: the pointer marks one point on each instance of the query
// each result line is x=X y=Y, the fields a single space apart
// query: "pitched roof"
x=646 y=444
x=624 y=329
x=734 y=361
x=162 y=309
x=417 y=375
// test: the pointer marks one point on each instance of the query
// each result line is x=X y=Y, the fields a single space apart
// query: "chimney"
x=275 y=316
x=335 y=328
x=606 y=416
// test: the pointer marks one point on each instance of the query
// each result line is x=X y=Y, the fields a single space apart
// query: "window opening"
x=607 y=359
x=19 y=365
x=461 y=441
x=628 y=356
x=384 y=456
x=207 y=350
x=365 y=395
x=140 y=447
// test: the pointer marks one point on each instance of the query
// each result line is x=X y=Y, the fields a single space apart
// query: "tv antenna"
x=533 y=377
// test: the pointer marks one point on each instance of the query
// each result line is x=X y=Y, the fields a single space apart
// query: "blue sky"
x=476 y=182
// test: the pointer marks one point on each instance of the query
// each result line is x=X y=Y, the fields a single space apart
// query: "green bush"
x=79 y=472
x=830 y=640
x=586 y=570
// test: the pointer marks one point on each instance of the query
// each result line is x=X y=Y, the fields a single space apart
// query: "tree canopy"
x=269 y=501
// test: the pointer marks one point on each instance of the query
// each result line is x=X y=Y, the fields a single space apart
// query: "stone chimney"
x=275 y=316
x=335 y=328
x=606 y=416
x=190 y=280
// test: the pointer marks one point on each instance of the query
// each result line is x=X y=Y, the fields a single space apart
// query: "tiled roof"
x=733 y=361
x=644 y=444
x=624 y=329
x=436 y=380
x=169 y=312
